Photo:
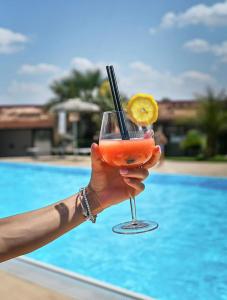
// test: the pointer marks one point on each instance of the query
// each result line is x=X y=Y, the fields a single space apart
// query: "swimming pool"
x=186 y=258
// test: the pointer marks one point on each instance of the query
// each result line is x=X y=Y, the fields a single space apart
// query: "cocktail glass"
x=128 y=153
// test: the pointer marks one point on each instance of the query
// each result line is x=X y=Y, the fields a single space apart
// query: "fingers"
x=133 y=178
x=138 y=173
x=136 y=184
x=154 y=159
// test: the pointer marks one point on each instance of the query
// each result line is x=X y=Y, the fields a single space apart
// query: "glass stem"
x=133 y=209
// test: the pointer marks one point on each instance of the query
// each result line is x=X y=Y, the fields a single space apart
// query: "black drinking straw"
x=117 y=103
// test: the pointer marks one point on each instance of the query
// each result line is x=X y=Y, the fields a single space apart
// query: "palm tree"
x=89 y=86
x=77 y=84
x=212 y=116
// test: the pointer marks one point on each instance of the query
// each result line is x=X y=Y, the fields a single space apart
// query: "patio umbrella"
x=75 y=105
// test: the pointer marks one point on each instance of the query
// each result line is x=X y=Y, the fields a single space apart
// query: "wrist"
x=94 y=201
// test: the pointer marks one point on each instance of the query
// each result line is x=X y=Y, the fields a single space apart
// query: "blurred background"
x=54 y=52
x=53 y=91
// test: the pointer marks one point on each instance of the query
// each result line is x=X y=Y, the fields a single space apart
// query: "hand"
x=112 y=185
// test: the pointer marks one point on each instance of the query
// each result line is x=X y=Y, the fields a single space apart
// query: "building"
x=23 y=128
x=174 y=119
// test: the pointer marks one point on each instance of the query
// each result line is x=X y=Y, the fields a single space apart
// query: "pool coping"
x=88 y=169
x=68 y=283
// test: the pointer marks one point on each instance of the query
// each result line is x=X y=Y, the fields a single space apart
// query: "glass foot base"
x=135 y=227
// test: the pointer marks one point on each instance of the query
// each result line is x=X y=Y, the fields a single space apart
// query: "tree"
x=193 y=142
x=89 y=86
x=212 y=117
x=77 y=84
x=104 y=97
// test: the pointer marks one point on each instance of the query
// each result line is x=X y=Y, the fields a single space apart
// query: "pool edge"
x=65 y=282
x=88 y=169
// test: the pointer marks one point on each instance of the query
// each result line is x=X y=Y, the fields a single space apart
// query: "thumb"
x=96 y=157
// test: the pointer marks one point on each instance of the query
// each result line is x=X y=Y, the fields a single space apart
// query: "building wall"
x=43 y=140
x=14 y=142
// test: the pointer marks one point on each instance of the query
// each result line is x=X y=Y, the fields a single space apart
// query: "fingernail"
x=123 y=171
x=157 y=149
x=92 y=145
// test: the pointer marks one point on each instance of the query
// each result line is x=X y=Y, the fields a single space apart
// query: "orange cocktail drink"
x=127 y=153
x=127 y=140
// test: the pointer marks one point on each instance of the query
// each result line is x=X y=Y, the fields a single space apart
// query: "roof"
x=25 y=116
x=34 y=116
x=172 y=110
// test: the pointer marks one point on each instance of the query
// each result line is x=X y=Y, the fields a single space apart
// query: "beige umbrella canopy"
x=76 y=105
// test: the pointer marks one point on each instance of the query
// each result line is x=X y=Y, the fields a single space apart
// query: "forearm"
x=26 y=232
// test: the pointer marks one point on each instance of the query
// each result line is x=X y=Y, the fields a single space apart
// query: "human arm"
x=26 y=232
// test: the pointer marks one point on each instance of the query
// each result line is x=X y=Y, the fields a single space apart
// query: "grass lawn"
x=217 y=158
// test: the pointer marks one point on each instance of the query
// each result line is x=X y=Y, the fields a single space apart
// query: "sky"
x=168 y=48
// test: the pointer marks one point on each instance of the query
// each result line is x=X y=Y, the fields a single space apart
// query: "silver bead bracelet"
x=85 y=206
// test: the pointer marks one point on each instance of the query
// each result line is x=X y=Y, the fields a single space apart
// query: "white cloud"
x=144 y=78
x=41 y=68
x=195 y=75
x=20 y=92
x=83 y=64
x=135 y=78
x=212 y=16
x=202 y=46
x=221 y=51
x=140 y=77
x=24 y=92
x=197 y=46
x=10 y=41
x=168 y=20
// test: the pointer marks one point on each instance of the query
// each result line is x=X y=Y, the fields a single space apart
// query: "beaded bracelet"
x=85 y=206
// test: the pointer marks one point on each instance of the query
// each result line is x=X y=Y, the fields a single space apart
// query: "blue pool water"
x=186 y=258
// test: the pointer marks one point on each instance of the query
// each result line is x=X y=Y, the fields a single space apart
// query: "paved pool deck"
x=218 y=169
x=17 y=287
x=35 y=280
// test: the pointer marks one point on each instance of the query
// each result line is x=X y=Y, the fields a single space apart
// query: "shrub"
x=193 y=143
